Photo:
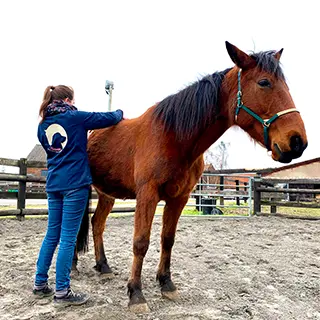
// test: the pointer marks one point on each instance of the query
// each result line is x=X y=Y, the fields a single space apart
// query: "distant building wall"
x=309 y=171
x=37 y=172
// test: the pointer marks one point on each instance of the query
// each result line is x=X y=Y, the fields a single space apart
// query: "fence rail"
x=263 y=186
x=212 y=186
x=21 y=193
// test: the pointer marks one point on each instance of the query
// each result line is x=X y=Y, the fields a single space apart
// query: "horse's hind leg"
x=74 y=269
x=171 y=214
x=99 y=218
x=147 y=200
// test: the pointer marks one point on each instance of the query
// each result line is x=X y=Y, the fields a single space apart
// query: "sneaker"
x=46 y=291
x=71 y=299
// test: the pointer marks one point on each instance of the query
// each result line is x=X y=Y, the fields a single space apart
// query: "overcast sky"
x=149 y=49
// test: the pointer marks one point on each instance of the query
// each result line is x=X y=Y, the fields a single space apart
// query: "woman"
x=63 y=134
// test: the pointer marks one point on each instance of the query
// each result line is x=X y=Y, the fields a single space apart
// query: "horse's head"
x=264 y=107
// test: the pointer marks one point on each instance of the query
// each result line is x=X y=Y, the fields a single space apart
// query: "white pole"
x=110 y=100
x=109 y=86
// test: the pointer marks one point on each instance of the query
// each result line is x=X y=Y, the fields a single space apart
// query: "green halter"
x=266 y=123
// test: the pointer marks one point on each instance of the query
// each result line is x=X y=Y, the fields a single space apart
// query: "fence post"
x=21 y=203
x=237 y=189
x=245 y=191
x=273 y=209
x=221 y=190
x=198 y=197
x=256 y=196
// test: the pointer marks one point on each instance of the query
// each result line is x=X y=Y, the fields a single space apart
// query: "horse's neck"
x=227 y=101
x=208 y=138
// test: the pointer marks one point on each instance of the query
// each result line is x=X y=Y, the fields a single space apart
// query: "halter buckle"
x=266 y=123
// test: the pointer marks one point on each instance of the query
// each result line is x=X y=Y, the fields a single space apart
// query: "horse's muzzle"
x=296 y=150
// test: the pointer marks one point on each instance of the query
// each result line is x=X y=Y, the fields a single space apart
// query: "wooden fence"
x=33 y=187
x=22 y=193
x=24 y=186
x=267 y=193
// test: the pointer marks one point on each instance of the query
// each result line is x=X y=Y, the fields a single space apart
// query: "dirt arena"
x=257 y=268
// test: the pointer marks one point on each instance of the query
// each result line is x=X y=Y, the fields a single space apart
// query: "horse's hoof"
x=137 y=302
x=103 y=268
x=171 y=295
x=139 y=308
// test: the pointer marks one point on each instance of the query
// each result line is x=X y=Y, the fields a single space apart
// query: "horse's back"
x=134 y=152
x=109 y=157
x=113 y=152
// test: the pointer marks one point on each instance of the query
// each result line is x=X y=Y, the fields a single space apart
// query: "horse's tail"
x=83 y=234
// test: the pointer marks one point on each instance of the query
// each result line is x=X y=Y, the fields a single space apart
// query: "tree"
x=218 y=156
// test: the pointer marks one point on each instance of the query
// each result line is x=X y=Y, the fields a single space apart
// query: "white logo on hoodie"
x=57 y=137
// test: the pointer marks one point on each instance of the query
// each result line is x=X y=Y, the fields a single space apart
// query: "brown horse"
x=159 y=156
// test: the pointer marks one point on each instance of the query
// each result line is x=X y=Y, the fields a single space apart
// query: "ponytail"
x=54 y=93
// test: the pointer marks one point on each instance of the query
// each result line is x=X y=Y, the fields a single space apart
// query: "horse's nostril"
x=296 y=144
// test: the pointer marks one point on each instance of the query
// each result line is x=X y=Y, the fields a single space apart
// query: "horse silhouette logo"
x=57 y=137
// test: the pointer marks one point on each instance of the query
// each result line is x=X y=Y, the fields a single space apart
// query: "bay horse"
x=159 y=155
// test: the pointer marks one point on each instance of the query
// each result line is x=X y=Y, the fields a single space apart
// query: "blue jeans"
x=66 y=209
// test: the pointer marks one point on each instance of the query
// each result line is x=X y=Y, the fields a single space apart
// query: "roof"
x=309 y=170
x=293 y=166
x=267 y=171
x=37 y=154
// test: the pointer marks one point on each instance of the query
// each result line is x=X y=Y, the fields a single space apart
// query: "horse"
x=159 y=155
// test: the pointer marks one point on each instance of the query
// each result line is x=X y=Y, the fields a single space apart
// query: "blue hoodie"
x=64 y=138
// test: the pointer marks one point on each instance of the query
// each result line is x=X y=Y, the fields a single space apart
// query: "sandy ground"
x=257 y=268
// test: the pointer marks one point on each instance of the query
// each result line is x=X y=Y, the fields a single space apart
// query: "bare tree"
x=218 y=155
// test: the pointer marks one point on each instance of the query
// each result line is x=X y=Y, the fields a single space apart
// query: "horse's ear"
x=240 y=58
x=278 y=54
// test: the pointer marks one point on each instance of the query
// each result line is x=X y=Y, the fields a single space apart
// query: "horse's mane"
x=267 y=62
x=193 y=108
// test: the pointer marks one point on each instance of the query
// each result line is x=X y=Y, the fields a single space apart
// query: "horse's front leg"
x=147 y=200
x=171 y=214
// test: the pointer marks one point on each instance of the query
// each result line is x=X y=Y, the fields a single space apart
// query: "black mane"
x=191 y=109
x=267 y=62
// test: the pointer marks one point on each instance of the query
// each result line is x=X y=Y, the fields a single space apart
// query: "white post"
x=109 y=86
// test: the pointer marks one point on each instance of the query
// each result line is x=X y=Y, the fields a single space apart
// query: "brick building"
x=37 y=154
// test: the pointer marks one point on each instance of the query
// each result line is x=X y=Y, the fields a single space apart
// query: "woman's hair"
x=54 y=93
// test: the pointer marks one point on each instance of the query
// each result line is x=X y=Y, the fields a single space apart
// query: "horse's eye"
x=264 y=83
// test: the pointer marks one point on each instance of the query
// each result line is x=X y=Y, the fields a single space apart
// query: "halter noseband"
x=266 y=123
